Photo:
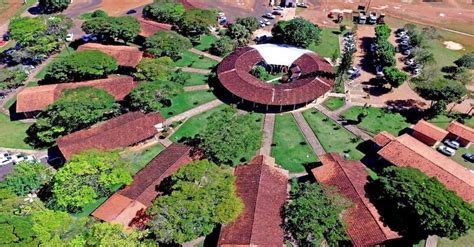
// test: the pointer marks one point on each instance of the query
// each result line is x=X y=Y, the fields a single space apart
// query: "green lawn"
x=332 y=136
x=443 y=121
x=194 y=125
x=377 y=120
x=10 y=102
x=257 y=127
x=63 y=53
x=205 y=42
x=12 y=134
x=189 y=59
x=458 y=157
x=186 y=101
x=139 y=160
x=290 y=148
x=334 y=103
x=465 y=241
x=196 y=79
x=329 y=43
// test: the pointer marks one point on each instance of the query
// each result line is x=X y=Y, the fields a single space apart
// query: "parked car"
x=6 y=36
x=379 y=71
x=405 y=47
x=5 y=161
x=277 y=12
x=18 y=157
x=220 y=14
x=354 y=75
x=349 y=34
x=404 y=37
x=410 y=61
x=416 y=72
x=452 y=143
x=131 y=11
x=404 y=42
x=353 y=70
x=279 y=8
x=406 y=52
x=89 y=37
x=301 y=5
x=373 y=47
x=446 y=150
x=268 y=16
x=69 y=37
x=469 y=157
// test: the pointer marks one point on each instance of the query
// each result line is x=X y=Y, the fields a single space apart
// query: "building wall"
x=423 y=138
x=463 y=142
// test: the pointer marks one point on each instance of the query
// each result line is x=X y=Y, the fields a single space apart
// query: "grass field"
x=189 y=59
x=63 y=53
x=12 y=134
x=334 y=103
x=377 y=120
x=444 y=120
x=332 y=136
x=186 y=101
x=196 y=79
x=465 y=241
x=290 y=148
x=138 y=160
x=329 y=43
x=206 y=42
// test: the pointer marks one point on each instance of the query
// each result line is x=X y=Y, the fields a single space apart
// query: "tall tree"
x=167 y=43
x=11 y=78
x=152 y=96
x=394 y=76
x=249 y=22
x=239 y=34
x=202 y=196
x=110 y=28
x=383 y=31
x=166 y=11
x=466 y=61
x=27 y=177
x=196 y=22
x=222 y=46
x=52 y=6
x=298 y=32
x=107 y=234
x=154 y=69
x=428 y=208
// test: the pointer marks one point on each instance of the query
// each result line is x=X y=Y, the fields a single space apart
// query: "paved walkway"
x=268 y=126
x=201 y=53
x=196 y=88
x=37 y=153
x=193 y=112
x=308 y=134
x=194 y=70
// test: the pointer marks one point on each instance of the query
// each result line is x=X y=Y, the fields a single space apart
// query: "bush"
x=298 y=32
x=166 y=11
x=154 y=69
x=167 y=43
x=152 y=96
x=11 y=78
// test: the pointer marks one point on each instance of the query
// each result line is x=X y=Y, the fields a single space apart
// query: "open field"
x=377 y=120
x=196 y=79
x=186 y=101
x=257 y=127
x=443 y=121
x=289 y=147
x=12 y=134
x=465 y=241
x=329 y=43
x=334 y=103
x=206 y=42
x=189 y=59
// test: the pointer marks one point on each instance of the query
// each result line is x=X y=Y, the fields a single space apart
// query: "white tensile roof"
x=280 y=54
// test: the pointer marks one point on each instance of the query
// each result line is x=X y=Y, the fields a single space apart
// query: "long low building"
x=263 y=188
x=31 y=100
x=126 y=56
x=123 y=131
x=150 y=27
x=127 y=205
x=362 y=219
x=461 y=133
x=406 y=151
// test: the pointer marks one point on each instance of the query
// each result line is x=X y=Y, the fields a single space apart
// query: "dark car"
x=469 y=157
x=131 y=11
x=6 y=36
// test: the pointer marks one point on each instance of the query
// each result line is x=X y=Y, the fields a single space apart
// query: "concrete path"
x=268 y=126
x=193 y=112
x=201 y=53
x=194 y=70
x=196 y=88
x=309 y=134
x=352 y=128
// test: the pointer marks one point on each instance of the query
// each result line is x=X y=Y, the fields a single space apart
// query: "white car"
x=69 y=37
x=279 y=8
x=353 y=70
x=301 y=5
x=18 y=158
x=221 y=14
x=379 y=71
x=452 y=143
x=5 y=161
x=269 y=16
x=410 y=61
x=406 y=52
x=446 y=150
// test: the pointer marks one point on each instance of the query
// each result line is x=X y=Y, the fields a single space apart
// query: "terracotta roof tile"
x=32 y=99
x=149 y=27
x=126 y=55
x=407 y=151
x=383 y=138
x=461 y=130
x=428 y=133
x=263 y=189
x=122 y=131
x=363 y=220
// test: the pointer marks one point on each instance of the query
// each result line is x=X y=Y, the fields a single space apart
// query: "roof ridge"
x=256 y=201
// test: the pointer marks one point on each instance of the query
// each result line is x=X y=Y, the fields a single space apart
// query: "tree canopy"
x=11 y=78
x=52 y=6
x=76 y=109
x=466 y=61
x=167 y=43
x=222 y=46
x=27 y=177
x=394 y=76
x=111 y=28
x=195 y=22
x=298 y=32
x=107 y=234
x=152 y=96
x=260 y=72
x=81 y=66
x=154 y=69
x=428 y=208
x=166 y=11
x=249 y=22
x=87 y=177
x=202 y=196
x=312 y=217
x=239 y=34
x=383 y=31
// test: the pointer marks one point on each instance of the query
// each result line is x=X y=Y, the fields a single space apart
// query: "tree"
x=76 y=109
x=16 y=231
x=202 y=196
x=55 y=226
x=260 y=72
x=383 y=31
x=394 y=76
x=11 y=78
x=167 y=43
x=311 y=217
x=80 y=66
x=27 y=177
x=110 y=28
x=107 y=234
x=462 y=74
x=195 y=22
x=87 y=177
x=298 y=32
x=52 y=6
x=466 y=61
x=428 y=208
x=180 y=77
x=222 y=46
x=249 y=22
x=11 y=204
x=166 y=11
x=154 y=69
x=152 y=96
x=227 y=136
x=385 y=53
x=423 y=56
x=239 y=34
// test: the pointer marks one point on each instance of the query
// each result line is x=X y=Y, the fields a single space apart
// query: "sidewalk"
x=194 y=70
x=196 y=88
x=268 y=126
x=201 y=53
x=309 y=134
x=193 y=112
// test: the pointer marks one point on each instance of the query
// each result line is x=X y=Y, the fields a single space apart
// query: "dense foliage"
x=227 y=136
x=11 y=78
x=166 y=11
x=27 y=177
x=154 y=69
x=152 y=96
x=298 y=32
x=107 y=234
x=222 y=46
x=249 y=22
x=428 y=208
x=441 y=92
x=76 y=109
x=87 y=177
x=167 y=43
x=260 y=72
x=239 y=34
x=394 y=76
x=312 y=217
x=81 y=66
x=466 y=61
x=110 y=28
x=195 y=22
x=52 y=6
x=202 y=196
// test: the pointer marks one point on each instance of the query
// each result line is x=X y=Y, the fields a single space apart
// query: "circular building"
x=308 y=77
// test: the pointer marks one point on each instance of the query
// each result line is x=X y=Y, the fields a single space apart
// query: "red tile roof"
x=362 y=219
x=124 y=205
x=122 y=131
x=149 y=27
x=428 y=133
x=407 y=151
x=233 y=73
x=461 y=130
x=263 y=189
x=32 y=99
x=126 y=55
x=383 y=138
